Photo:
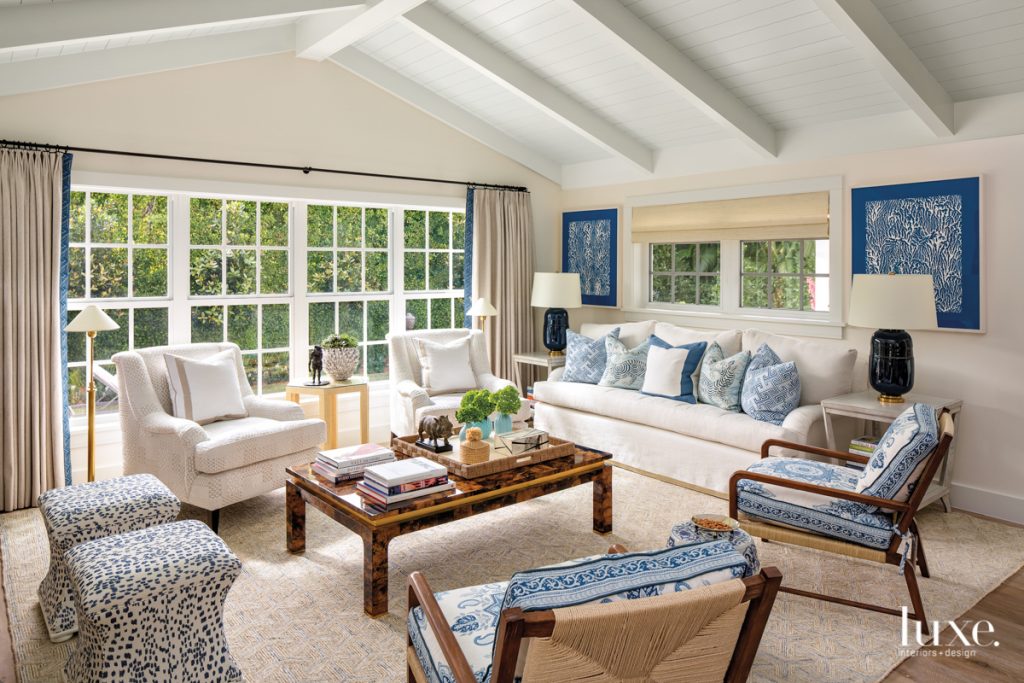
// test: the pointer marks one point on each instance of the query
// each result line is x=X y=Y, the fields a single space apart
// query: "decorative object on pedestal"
x=91 y=320
x=556 y=292
x=475 y=411
x=474 y=449
x=316 y=366
x=410 y=321
x=893 y=304
x=434 y=428
x=930 y=228
x=482 y=310
x=590 y=243
x=508 y=403
x=341 y=356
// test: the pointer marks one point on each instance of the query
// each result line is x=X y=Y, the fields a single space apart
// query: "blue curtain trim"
x=65 y=237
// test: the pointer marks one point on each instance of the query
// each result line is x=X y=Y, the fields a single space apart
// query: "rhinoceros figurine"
x=434 y=428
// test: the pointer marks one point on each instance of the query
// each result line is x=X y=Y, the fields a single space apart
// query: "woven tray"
x=498 y=461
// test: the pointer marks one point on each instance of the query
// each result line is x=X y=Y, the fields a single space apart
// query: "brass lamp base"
x=556 y=354
x=887 y=399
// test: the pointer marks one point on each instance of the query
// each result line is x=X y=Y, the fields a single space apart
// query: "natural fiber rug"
x=300 y=618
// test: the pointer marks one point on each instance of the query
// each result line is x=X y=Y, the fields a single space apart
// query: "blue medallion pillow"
x=670 y=369
x=585 y=358
x=771 y=388
x=721 y=378
x=626 y=367
x=896 y=465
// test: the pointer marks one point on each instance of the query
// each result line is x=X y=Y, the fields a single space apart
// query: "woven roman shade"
x=788 y=216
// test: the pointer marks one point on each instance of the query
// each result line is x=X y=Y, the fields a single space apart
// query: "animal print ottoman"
x=150 y=606
x=85 y=512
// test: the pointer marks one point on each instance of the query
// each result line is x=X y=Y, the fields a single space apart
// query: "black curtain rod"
x=253 y=164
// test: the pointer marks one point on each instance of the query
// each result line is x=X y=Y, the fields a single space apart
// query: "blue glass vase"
x=484 y=425
x=502 y=424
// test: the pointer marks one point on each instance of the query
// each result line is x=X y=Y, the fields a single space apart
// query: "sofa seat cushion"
x=237 y=443
x=473 y=615
x=843 y=519
x=700 y=420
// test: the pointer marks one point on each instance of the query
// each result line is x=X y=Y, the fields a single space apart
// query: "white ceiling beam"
x=865 y=27
x=101 y=65
x=498 y=66
x=54 y=23
x=318 y=37
x=440 y=108
x=662 y=59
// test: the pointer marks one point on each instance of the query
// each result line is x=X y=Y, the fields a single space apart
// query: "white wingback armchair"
x=410 y=402
x=214 y=465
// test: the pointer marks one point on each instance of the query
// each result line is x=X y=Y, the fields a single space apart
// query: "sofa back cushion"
x=825 y=370
x=729 y=340
x=585 y=358
x=896 y=465
x=631 y=334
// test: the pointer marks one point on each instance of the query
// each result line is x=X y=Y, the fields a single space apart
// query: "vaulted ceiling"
x=558 y=83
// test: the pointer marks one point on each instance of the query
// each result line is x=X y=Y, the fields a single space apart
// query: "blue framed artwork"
x=925 y=228
x=590 y=243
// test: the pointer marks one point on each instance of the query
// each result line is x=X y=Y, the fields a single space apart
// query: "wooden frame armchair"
x=713 y=650
x=903 y=514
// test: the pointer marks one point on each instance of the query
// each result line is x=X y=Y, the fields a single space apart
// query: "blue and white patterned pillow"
x=626 y=367
x=670 y=370
x=585 y=358
x=895 y=468
x=771 y=388
x=721 y=378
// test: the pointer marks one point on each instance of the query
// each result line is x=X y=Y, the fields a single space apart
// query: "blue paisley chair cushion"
x=818 y=513
x=897 y=463
x=721 y=378
x=626 y=367
x=585 y=358
x=771 y=388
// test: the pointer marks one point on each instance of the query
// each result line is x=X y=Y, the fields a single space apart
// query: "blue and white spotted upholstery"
x=473 y=613
x=150 y=606
x=85 y=512
x=825 y=515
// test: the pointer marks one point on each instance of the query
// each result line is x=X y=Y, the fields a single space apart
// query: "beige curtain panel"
x=503 y=271
x=31 y=401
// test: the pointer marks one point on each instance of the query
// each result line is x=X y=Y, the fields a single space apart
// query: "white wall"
x=274 y=109
x=985 y=370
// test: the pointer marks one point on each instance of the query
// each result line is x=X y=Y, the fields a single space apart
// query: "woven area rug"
x=300 y=618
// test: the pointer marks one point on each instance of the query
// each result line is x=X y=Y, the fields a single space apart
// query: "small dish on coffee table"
x=716 y=524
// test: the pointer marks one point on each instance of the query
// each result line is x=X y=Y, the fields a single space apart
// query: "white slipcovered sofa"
x=698 y=445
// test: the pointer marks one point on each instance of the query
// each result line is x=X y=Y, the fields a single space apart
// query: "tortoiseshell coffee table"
x=341 y=503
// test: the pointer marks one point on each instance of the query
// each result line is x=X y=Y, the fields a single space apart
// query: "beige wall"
x=985 y=370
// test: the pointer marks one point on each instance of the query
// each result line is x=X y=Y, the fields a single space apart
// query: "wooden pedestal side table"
x=865 y=405
x=327 y=395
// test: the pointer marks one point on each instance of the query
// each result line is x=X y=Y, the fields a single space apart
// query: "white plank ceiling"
x=761 y=65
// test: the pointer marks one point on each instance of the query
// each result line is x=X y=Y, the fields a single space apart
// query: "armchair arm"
x=800 y=421
x=734 y=480
x=826 y=452
x=421 y=595
x=492 y=382
x=273 y=409
x=187 y=431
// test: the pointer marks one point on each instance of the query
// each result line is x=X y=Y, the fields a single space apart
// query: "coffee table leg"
x=295 y=518
x=603 y=501
x=375 y=573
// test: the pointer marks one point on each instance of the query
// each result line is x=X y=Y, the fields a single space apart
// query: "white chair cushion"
x=205 y=390
x=825 y=370
x=236 y=443
x=631 y=334
x=446 y=367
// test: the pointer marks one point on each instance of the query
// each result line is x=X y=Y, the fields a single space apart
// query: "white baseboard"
x=988 y=503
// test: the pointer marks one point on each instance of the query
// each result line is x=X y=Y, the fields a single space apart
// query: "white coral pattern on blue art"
x=826 y=515
x=626 y=368
x=901 y=455
x=585 y=358
x=721 y=378
x=590 y=254
x=919 y=235
x=771 y=388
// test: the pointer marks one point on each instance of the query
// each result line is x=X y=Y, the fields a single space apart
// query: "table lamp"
x=893 y=304
x=91 y=320
x=556 y=292
x=482 y=309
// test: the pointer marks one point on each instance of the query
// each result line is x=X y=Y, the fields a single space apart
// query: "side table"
x=537 y=358
x=865 y=405
x=328 y=408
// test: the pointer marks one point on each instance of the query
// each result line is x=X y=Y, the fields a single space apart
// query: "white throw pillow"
x=205 y=390
x=446 y=367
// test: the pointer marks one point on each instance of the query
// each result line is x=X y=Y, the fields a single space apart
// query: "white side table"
x=537 y=358
x=864 y=405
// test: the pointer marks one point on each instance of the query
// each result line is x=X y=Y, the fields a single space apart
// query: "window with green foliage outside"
x=686 y=273
x=785 y=274
x=433 y=258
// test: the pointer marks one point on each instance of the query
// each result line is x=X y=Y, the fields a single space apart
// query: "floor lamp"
x=91 y=320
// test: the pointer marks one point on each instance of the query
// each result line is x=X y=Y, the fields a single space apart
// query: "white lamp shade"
x=893 y=302
x=91 y=319
x=482 y=307
x=556 y=290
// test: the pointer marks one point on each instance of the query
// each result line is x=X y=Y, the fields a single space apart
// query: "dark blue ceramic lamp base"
x=891 y=365
x=556 y=322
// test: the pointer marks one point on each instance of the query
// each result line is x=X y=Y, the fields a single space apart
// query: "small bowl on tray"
x=715 y=524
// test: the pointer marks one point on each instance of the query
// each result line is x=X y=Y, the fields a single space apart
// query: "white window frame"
x=729 y=313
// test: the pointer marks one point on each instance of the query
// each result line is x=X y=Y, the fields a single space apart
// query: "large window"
x=433 y=264
x=686 y=273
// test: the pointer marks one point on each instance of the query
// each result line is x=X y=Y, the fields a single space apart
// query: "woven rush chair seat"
x=86 y=512
x=150 y=606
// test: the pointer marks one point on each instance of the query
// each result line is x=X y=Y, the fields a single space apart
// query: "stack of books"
x=385 y=487
x=863 y=445
x=340 y=464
